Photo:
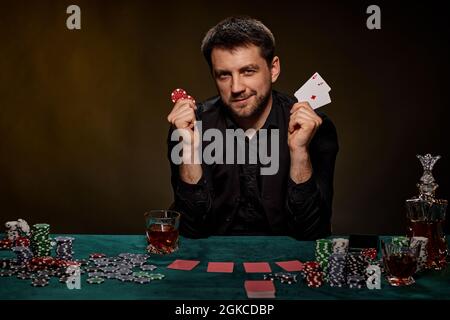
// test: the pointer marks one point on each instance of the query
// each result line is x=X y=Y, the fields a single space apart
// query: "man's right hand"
x=182 y=116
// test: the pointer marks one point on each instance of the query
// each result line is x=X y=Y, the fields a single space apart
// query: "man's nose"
x=237 y=86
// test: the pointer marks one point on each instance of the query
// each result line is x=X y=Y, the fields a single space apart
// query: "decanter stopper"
x=427 y=185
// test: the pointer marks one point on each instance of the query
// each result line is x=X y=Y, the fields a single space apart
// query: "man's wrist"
x=301 y=168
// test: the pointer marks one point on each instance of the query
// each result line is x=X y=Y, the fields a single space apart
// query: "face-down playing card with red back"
x=259 y=289
x=187 y=265
x=253 y=267
x=226 y=267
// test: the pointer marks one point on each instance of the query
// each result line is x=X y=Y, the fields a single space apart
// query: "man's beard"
x=261 y=103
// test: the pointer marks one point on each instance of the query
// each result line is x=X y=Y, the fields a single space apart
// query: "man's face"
x=244 y=79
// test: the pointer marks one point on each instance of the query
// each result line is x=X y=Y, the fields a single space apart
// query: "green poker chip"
x=156 y=276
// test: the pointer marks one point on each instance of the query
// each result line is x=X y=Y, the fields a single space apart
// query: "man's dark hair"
x=239 y=31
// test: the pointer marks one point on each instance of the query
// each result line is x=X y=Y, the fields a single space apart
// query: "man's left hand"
x=303 y=124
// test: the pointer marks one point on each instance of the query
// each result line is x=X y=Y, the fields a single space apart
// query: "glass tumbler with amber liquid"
x=162 y=231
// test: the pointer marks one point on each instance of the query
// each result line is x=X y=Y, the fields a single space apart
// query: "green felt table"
x=201 y=285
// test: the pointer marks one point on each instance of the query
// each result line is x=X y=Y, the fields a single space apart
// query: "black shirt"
x=235 y=199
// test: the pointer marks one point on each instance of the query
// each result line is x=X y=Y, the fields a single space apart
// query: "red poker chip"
x=190 y=98
x=178 y=94
x=22 y=242
x=370 y=253
x=5 y=244
x=311 y=266
x=97 y=255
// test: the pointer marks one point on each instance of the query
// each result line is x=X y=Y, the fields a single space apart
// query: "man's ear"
x=275 y=68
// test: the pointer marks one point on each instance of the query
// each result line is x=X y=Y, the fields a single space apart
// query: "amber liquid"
x=162 y=237
x=401 y=266
x=437 y=245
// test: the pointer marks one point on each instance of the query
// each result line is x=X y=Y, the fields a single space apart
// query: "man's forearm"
x=190 y=170
x=301 y=168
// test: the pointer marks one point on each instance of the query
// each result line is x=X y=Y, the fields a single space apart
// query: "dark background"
x=83 y=113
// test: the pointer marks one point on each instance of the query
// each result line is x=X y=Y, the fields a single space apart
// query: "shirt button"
x=227 y=219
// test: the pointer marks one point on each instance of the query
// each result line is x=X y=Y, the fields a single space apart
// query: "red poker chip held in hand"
x=178 y=94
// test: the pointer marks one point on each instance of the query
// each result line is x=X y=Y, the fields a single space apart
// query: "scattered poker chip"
x=123 y=265
x=137 y=263
x=82 y=262
x=96 y=274
x=124 y=255
x=6 y=273
x=148 y=267
x=178 y=94
x=95 y=280
x=5 y=263
x=92 y=269
x=43 y=274
x=156 y=276
x=109 y=269
x=97 y=255
x=40 y=282
x=24 y=275
x=113 y=260
x=142 y=280
x=124 y=271
x=141 y=274
x=111 y=275
x=125 y=278
x=101 y=262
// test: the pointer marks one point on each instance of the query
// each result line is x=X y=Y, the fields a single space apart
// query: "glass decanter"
x=426 y=216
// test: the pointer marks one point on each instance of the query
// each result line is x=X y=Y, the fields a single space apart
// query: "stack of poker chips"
x=340 y=245
x=370 y=253
x=324 y=248
x=23 y=254
x=355 y=264
x=64 y=248
x=336 y=270
x=400 y=241
x=314 y=276
x=356 y=281
x=40 y=240
x=423 y=253
x=5 y=244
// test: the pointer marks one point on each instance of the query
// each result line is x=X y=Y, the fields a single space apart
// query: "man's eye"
x=249 y=72
x=223 y=76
